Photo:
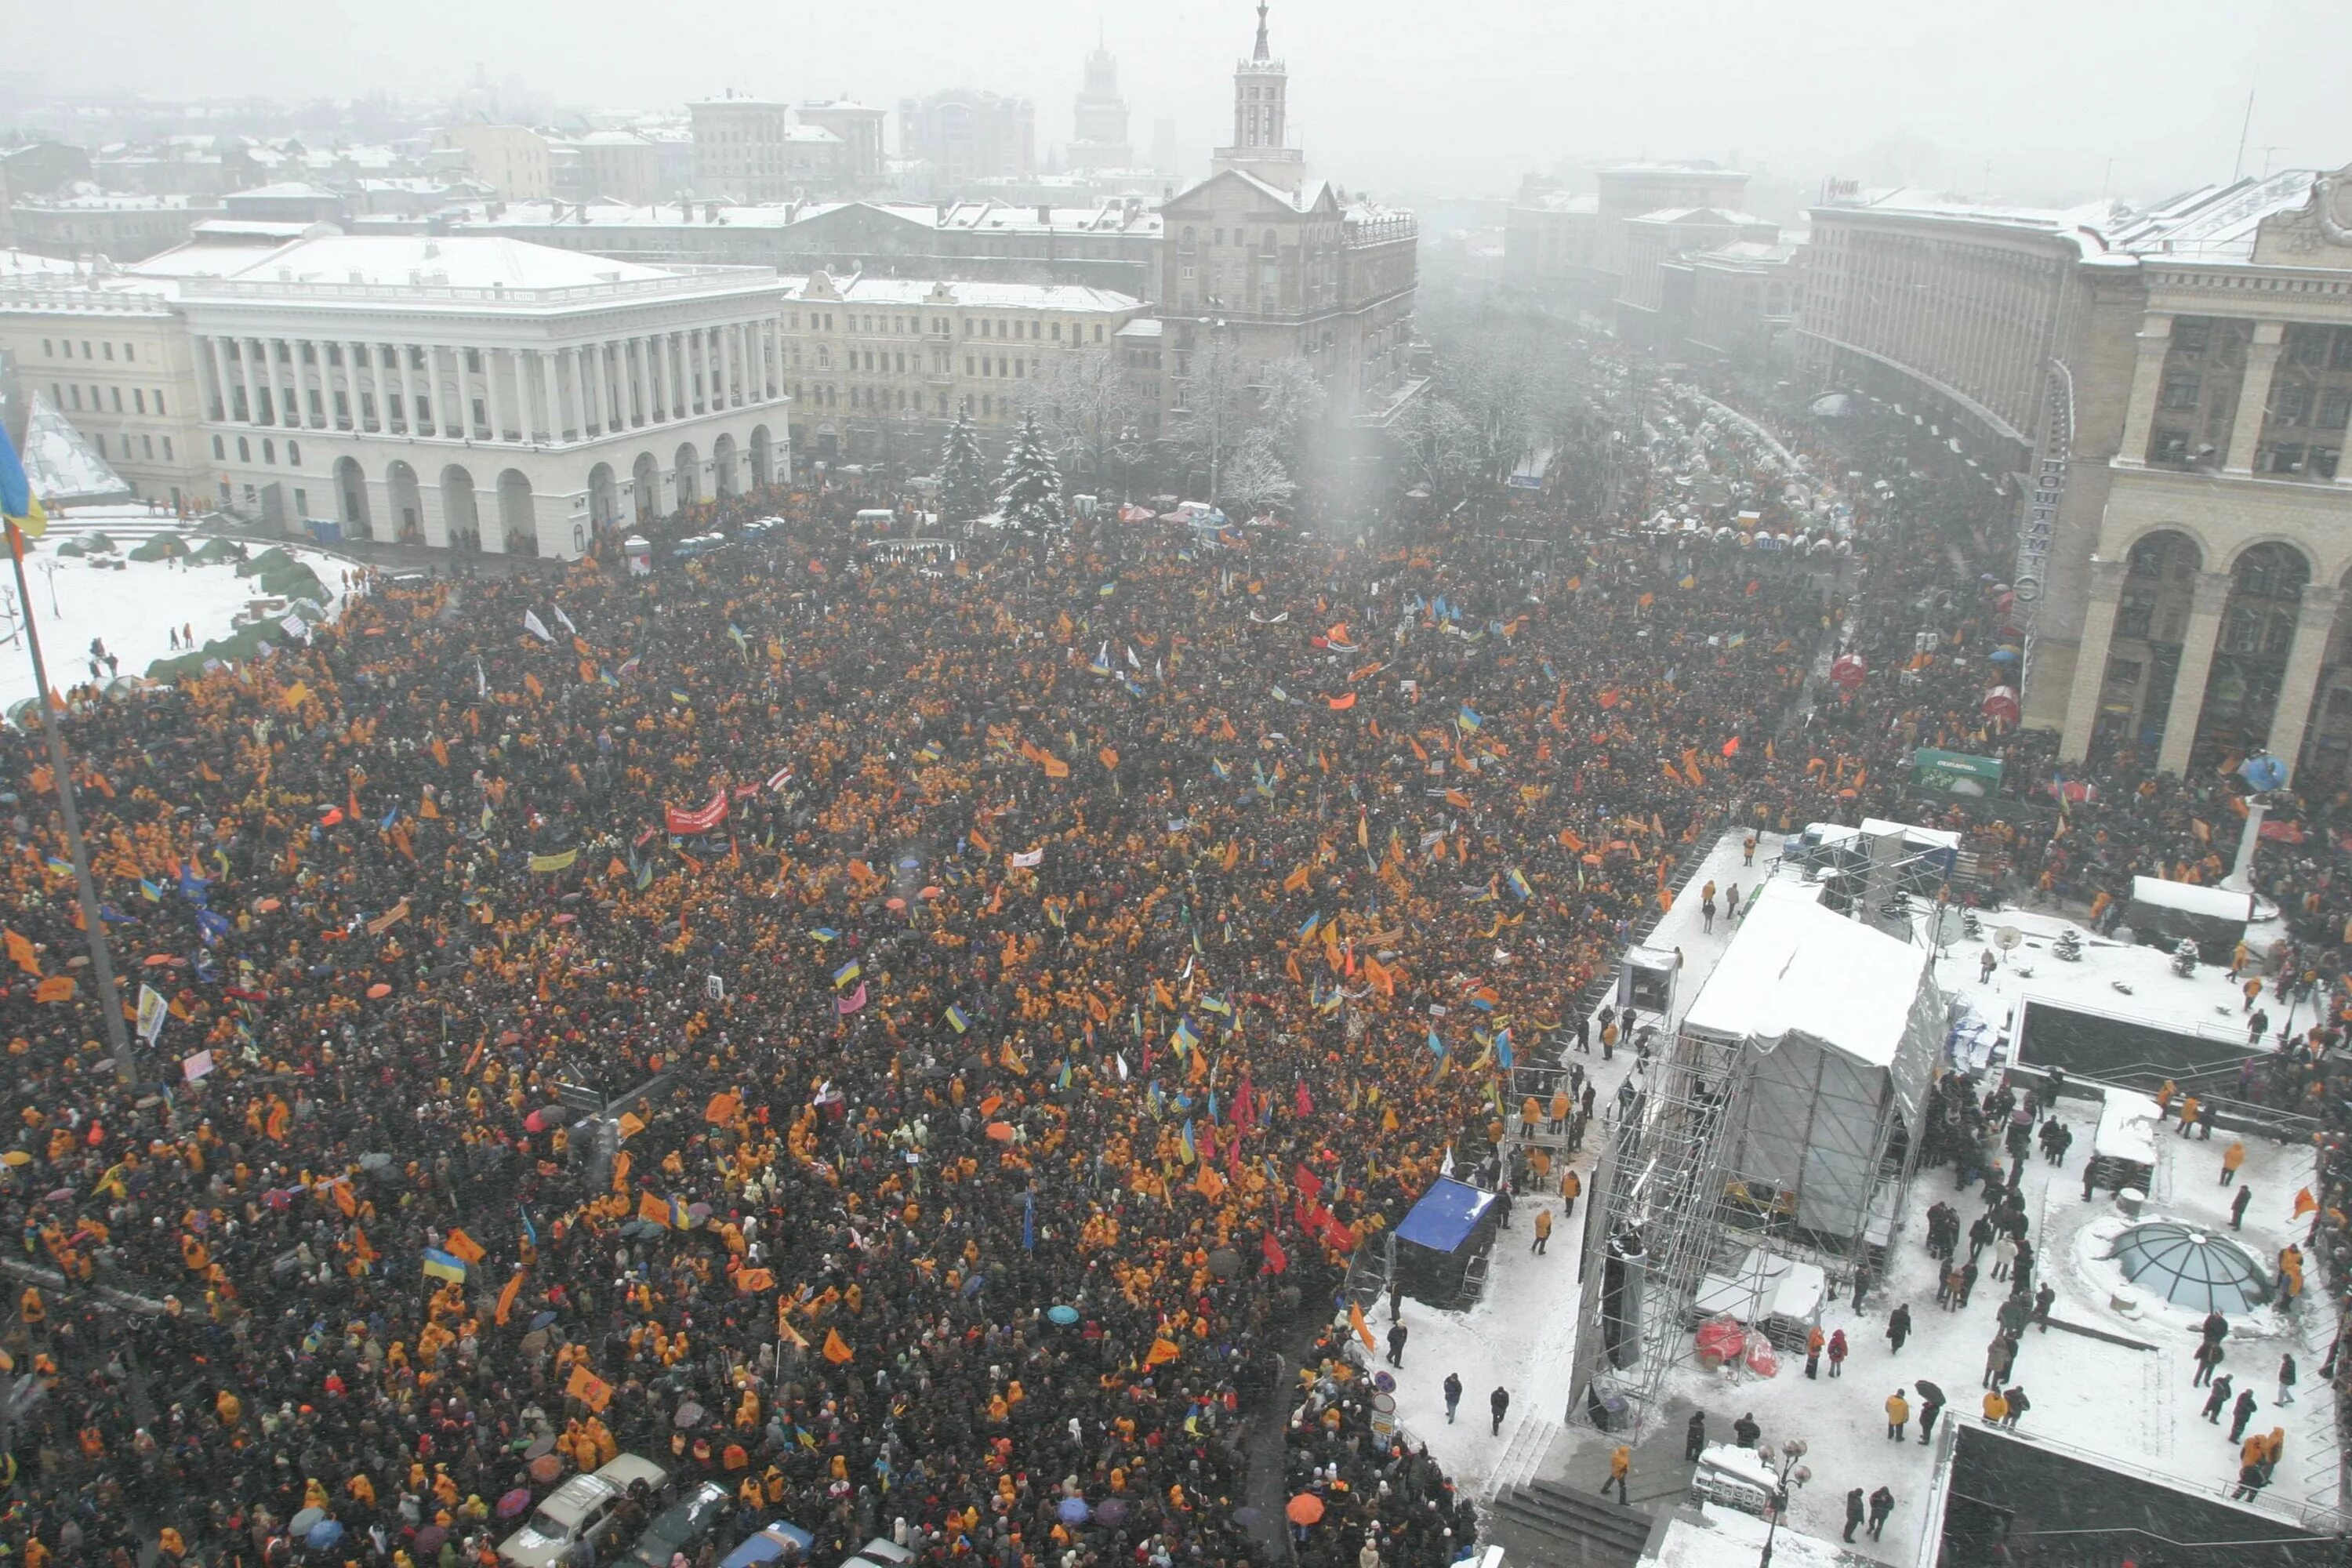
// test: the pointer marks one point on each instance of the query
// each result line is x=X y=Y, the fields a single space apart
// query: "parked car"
x=683 y=1526
x=880 y=1552
x=696 y=544
x=776 y=1541
x=581 y=1509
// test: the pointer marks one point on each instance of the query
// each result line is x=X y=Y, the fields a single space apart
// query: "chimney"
x=1045 y=215
x=710 y=212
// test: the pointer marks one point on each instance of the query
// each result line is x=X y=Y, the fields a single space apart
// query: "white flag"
x=1025 y=861
x=152 y=1011
x=566 y=620
x=536 y=628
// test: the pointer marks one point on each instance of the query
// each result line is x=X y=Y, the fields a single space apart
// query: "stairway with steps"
x=1562 y=1527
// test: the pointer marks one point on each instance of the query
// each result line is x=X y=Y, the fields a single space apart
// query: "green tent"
x=162 y=546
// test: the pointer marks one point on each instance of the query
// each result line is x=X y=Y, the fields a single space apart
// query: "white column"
x=631 y=402
x=2314 y=628
x=524 y=423
x=664 y=407
x=582 y=416
x=400 y=357
x=2148 y=385
x=546 y=358
x=493 y=402
x=2206 y=602
x=2090 y=661
x=220 y=376
x=274 y=382
x=245 y=349
x=602 y=384
x=727 y=365
x=2253 y=403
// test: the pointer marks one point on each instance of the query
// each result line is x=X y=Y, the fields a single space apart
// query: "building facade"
x=858 y=128
x=481 y=393
x=1100 y=139
x=113 y=356
x=1654 y=238
x=514 y=160
x=879 y=367
x=117 y=227
x=741 y=148
x=962 y=136
x=2165 y=395
x=1258 y=272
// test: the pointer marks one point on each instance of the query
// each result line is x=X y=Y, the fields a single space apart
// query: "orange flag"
x=753 y=1280
x=20 y=948
x=589 y=1389
x=652 y=1210
x=1295 y=882
x=721 y=1109
x=55 y=988
x=1163 y=1349
x=460 y=1245
x=836 y=1350
x=507 y=1297
x=1363 y=1329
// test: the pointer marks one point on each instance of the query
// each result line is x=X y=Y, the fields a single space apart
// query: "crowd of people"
x=1017 y=984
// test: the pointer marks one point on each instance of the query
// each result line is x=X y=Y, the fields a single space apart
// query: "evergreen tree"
x=1029 y=495
x=964 y=475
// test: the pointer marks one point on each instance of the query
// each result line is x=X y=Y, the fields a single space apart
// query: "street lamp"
x=1792 y=1450
x=2263 y=773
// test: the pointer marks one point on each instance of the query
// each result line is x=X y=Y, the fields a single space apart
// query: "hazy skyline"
x=2029 y=102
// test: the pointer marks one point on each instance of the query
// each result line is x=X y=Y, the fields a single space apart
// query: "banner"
x=399 y=912
x=1955 y=773
x=152 y=1011
x=1028 y=859
x=686 y=823
x=546 y=863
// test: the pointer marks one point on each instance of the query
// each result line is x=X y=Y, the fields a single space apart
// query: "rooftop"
x=863 y=290
x=398 y=271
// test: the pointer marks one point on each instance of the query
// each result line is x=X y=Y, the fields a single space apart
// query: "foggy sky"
x=1401 y=96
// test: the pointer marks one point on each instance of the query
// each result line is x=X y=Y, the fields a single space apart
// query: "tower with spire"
x=1100 y=141
x=1261 y=119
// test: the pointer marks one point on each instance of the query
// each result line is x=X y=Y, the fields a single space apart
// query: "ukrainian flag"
x=1184 y=1039
x=1218 y=1005
x=443 y=1266
x=1468 y=719
x=62 y=867
x=1219 y=768
x=1436 y=1045
x=1519 y=884
x=18 y=504
x=847 y=973
x=957 y=1019
x=825 y=934
x=1689 y=581
x=1308 y=929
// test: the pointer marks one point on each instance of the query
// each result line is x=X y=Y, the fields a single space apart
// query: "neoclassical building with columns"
x=2165 y=393
x=482 y=393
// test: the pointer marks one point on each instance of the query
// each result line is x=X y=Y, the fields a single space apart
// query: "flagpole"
x=101 y=963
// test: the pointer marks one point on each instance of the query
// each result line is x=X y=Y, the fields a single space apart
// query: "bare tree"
x=1294 y=413
x=1255 y=480
x=1215 y=404
x=1436 y=444
x=1090 y=407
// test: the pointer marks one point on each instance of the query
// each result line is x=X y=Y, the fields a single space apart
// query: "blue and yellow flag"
x=18 y=504
x=443 y=1266
x=957 y=1019
x=847 y=973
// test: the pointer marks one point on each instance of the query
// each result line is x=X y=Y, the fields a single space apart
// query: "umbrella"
x=546 y=1467
x=697 y=1211
x=301 y=1523
x=1225 y=1263
x=1928 y=1392
x=429 y=1538
x=1304 y=1509
x=540 y=1319
x=1247 y=1518
x=1112 y=1510
x=15 y=1157
x=269 y=906
x=2001 y=703
x=156 y=958
x=379 y=991
x=687 y=1415
x=1064 y=1316
x=1001 y=1132
x=62 y=1195
x=565 y=918
x=326 y=1534
x=537 y=1445
x=1073 y=1510
x=537 y=1122
x=894 y=905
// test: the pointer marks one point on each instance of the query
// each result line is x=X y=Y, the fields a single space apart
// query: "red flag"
x=1301 y=1101
x=1309 y=1184
x=1277 y=1260
x=1243 y=1102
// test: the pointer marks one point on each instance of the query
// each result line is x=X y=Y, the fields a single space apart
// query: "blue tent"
x=1446 y=1214
x=1448 y=1231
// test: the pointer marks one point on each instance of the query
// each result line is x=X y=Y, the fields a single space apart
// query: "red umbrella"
x=513 y=1503
x=1847 y=670
x=1304 y=1509
x=2001 y=703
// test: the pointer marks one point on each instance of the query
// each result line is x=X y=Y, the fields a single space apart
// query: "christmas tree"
x=1029 y=495
x=964 y=475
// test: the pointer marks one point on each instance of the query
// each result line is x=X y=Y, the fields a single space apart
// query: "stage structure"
x=1781 y=1125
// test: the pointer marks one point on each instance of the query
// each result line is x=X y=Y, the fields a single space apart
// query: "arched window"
x=220 y=452
x=244 y=450
x=294 y=454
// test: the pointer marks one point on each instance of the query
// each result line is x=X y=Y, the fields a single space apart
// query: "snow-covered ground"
x=2118 y=1401
x=1520 y=1334
x=133 y=611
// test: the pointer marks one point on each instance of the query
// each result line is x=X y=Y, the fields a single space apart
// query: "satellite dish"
x=2007 y=937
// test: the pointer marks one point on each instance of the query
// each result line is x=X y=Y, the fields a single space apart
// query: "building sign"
x=2045 y=488
x=1955 y=773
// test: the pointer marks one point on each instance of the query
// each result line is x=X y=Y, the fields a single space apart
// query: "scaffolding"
x=1656 y=1230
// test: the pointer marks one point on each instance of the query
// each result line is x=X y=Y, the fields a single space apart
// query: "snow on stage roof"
x=1796 y=968
x=2212 y=904
x=1445 y=1216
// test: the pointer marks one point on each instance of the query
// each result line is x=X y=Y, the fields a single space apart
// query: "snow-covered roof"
x=286 y=190
x=1703 y=215
x=810 y=133
x=59 y=462
x=2208 y=903
x=1143 y=327
x=26 y=264
x=1061 y=297
x=2128 y=1124
x=455 y=262
x=2214 y=223
x=1561 y=202
x=1797 y=968
x=1726 y=1538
